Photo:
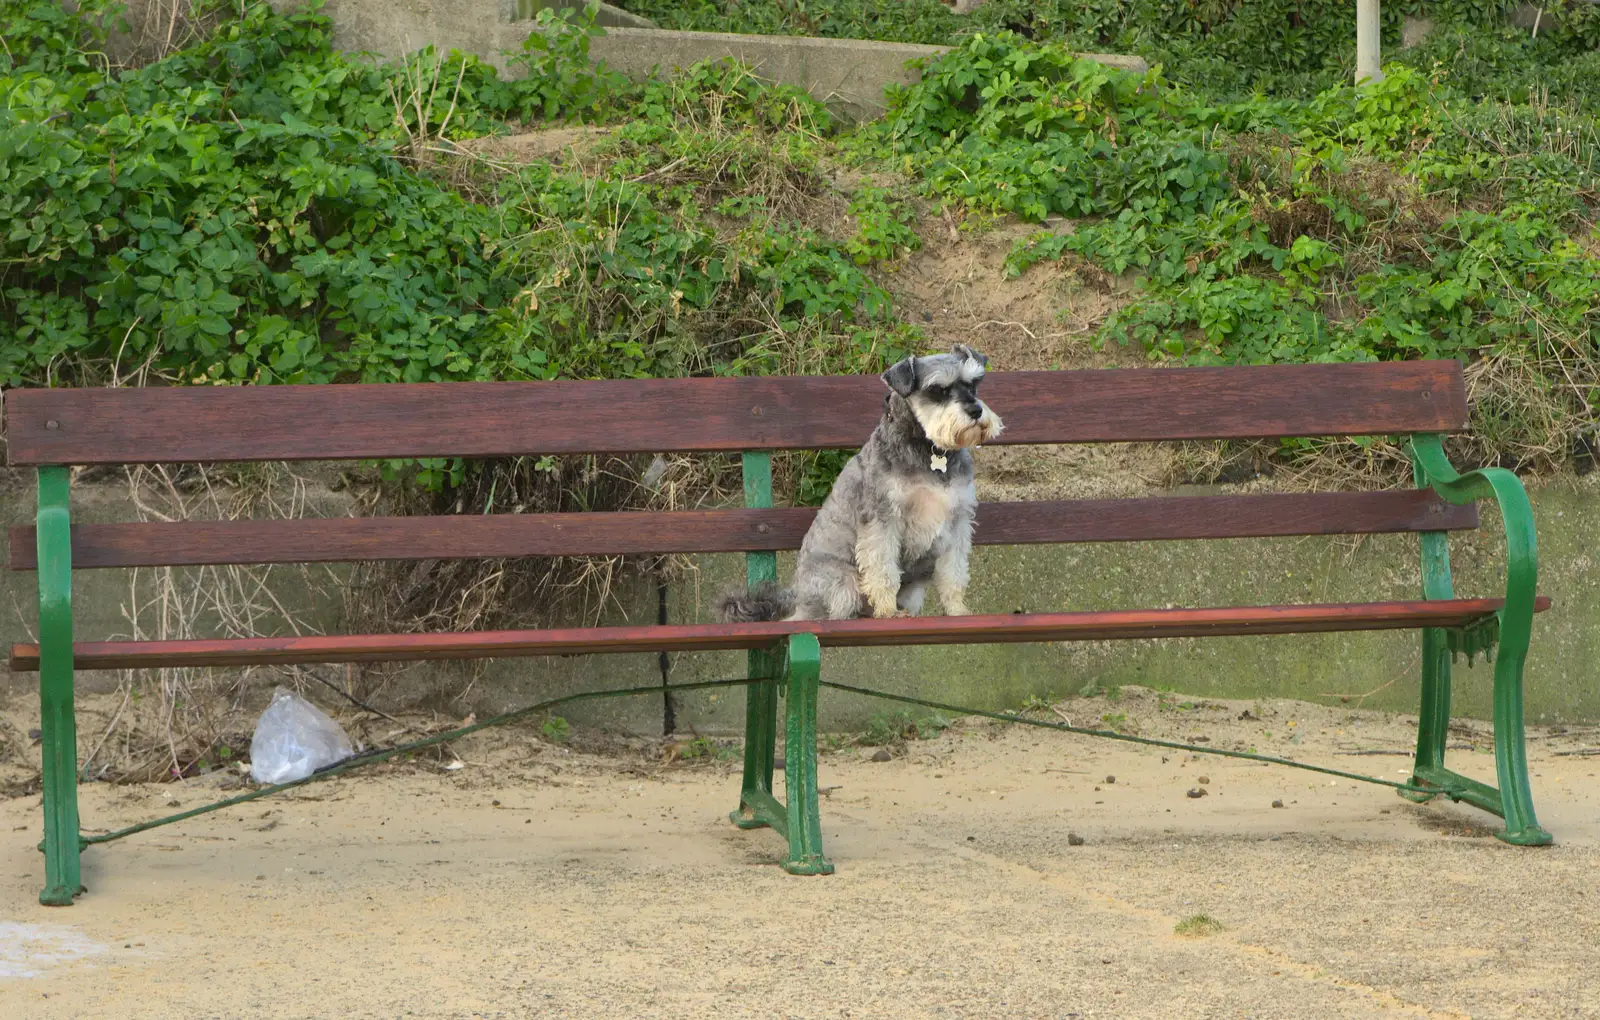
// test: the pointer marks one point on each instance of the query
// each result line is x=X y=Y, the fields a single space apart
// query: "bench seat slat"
x=329 y=540
x=924 y=630
x=358 y=422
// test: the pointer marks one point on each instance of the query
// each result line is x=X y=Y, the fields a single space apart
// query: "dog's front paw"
x=959 y=609
x=889 y=612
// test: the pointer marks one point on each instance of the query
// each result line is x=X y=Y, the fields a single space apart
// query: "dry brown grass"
x=172 y=721
x=421 y=91
x=457 y=595
x=155 y=29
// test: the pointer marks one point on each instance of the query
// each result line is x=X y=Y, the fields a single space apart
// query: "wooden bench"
x=54 y=429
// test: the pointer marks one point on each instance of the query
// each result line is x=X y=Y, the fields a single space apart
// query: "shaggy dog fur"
x=901 y=513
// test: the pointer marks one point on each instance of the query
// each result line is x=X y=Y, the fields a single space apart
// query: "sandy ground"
x=543 y=881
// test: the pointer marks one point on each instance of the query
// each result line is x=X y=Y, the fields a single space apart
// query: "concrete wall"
x=1562 y=677
x=1562 y=682
x=605 y=14
x=850 y=75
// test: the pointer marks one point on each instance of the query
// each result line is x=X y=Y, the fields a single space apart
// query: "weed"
x=819 y=468
x=883 y=227
x=1095 y=689
x=838 y=741
x=1197 y=926
x=704 y=748
x=560 y=83
x=556 y=730
x=1037 y=703
x=901 y=727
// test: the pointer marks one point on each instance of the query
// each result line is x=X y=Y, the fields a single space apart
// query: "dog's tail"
x=765 y=601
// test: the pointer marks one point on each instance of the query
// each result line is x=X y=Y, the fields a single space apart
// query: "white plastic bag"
x=293 y=739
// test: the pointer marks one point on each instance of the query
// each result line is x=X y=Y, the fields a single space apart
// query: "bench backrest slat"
x=324 y=540
x=357 y=422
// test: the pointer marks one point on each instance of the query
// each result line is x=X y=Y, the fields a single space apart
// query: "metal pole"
x=1367 y=60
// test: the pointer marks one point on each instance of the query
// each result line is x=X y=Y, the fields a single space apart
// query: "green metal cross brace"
x=57 y=724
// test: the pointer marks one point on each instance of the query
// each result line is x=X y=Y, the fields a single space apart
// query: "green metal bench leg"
x=800 y=759
x=757 y=806
x=1433 y=718
x=1510 y=753
x=760 y=740
x=57 y=722
x=1513 y=801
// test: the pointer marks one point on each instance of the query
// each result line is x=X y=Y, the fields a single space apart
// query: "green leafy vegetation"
x=1198 y=926
x=895 y=728
x=1395 y=221
x=705 y=749
x=1230 y=49
x=885 y=226
x=257 y=208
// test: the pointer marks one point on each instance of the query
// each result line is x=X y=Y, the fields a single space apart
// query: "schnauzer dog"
x=901 y=512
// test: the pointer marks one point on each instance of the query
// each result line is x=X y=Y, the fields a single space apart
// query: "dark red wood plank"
x=333 y=540
x=323 y=540
x=940 y=630
x=1262 y=515
x=352 y=422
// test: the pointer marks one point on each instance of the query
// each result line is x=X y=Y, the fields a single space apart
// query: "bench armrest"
x=1522 y=548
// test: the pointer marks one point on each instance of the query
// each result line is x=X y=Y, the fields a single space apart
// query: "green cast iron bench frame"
x=55 y=429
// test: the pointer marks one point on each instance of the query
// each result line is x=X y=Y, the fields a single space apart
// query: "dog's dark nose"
x=974 y=411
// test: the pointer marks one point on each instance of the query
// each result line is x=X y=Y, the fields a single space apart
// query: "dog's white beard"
x=949 y=427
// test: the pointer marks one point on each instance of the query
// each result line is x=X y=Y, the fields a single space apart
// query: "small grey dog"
x=901 y=512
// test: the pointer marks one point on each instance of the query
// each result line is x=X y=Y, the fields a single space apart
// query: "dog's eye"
x=937 y=392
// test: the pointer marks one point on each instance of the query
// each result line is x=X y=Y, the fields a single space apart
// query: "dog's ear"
x=902 y=377
x=966 y=353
